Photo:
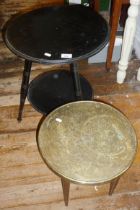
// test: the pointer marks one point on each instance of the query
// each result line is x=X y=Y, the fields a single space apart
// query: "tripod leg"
x=113 y=185
x=24 y=87
x=76 y=79
x=66 y=188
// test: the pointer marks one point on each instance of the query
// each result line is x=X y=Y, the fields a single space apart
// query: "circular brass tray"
x=87 y=142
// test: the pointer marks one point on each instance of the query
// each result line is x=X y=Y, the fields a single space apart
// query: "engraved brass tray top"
x=87 y=142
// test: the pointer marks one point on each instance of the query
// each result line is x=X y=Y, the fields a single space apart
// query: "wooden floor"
x=25 y=181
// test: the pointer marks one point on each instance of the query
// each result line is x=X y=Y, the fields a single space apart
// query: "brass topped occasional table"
x=87 y=142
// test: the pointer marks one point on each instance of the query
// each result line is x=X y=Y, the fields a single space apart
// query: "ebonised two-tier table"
x=55 y=35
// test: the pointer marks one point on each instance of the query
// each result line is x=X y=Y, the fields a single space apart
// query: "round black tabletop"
x=58 y=34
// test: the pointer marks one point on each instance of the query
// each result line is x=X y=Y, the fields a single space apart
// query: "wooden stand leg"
x=113 y=185
x=95 y=4
x=24 y=87
x=128 y=39
x=66 y=188
x=114 y=20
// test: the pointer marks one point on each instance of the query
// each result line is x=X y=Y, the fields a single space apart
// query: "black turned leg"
x=113 y=185
x=66 y=189
x=76 y=79
x=24 y=87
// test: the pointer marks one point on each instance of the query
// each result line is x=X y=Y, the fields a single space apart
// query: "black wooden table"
x=55 y=35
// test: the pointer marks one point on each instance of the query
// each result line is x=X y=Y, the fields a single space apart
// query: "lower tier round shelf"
x=55 y=88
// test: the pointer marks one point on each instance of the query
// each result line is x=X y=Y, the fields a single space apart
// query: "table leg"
x=114 y=20
x=24 y=87
x=76 y=80
x=128 y=39
x=66 y=189
x=113 y=185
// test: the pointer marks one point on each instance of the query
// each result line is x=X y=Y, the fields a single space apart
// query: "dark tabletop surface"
x=60 y=34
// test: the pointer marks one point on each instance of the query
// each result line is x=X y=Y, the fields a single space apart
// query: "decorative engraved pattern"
x=87 y=142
